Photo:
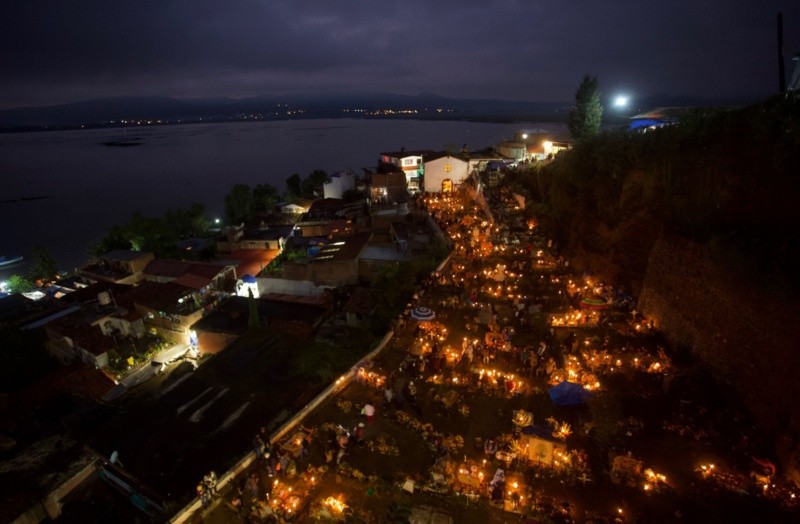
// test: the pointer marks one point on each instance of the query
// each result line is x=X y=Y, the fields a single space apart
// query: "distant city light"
x=621 y=101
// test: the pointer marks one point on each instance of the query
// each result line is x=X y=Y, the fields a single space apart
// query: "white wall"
x=284 y=286
x=436 y=171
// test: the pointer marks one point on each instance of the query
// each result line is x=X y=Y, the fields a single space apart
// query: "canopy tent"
x=422 y=313
x=568 y=394
x=594 y=303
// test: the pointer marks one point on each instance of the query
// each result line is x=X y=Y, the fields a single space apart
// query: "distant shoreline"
x=477 y=118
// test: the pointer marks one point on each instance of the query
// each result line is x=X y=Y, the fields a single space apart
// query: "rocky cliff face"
x=748 y=335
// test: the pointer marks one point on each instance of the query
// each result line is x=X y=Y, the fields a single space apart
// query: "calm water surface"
x=90 y=186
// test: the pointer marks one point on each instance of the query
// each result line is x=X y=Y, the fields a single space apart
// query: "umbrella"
x=422 y=313
x=568 y=394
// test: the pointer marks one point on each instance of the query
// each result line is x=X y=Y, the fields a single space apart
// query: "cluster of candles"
x=335 y=504
x=372 y=378
x=575 y=319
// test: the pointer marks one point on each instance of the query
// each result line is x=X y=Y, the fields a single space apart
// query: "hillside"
x=699 y=221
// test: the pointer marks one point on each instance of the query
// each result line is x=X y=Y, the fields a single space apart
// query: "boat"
x=9 y=261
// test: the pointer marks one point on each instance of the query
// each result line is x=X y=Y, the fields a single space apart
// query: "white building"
x=444 y=172
x=340 y=183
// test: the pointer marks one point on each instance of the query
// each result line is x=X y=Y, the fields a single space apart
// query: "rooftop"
x=165 y=297
x=126 y=255
x=342 y=248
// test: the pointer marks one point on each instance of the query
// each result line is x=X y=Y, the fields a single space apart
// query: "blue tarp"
x=568 y=394
x=646 y=122
x=248 y=279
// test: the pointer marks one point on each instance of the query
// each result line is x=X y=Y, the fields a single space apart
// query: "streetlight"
x=621 y=101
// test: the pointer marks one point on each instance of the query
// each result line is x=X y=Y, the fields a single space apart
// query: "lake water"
x=90 y=186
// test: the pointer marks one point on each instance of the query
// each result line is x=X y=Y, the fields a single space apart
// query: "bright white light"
x=621 y=101
x=216 y=221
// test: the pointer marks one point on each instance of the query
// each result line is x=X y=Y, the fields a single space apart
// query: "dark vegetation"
x=24 y=357
x=724 y=178
x=156 y=234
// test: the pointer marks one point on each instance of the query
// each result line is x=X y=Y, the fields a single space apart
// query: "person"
x=388 y=395
x=412 y=391
x=343 y=440
x=304 y=444
x=283 y=463
x=358 y=433
x=368 y=411
x=210 y=482
x=203 y=495
x=252 y=485
x=236 y=504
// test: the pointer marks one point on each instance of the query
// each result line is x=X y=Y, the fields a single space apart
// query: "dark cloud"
x=59 y=51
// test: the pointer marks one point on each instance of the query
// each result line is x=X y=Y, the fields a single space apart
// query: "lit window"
x=448 y=168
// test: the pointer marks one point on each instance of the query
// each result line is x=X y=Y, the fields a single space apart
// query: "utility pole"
x=781 y=71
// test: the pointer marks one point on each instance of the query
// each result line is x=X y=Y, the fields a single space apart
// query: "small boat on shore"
x=9 y=261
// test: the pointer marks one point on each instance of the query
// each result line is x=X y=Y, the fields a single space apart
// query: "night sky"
x=63 y=51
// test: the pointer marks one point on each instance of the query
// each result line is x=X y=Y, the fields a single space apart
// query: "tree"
x=239 y=204
x=265 y=197
x=584 y=118
x=43 y=266
x=189 y=222
x=312 y=185
x=293 y=185
x=19 y=284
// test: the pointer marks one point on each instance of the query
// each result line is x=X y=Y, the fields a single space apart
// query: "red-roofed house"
x=197 y=275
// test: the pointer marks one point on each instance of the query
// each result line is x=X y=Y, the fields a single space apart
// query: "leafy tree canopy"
x=585 y=117
x=19 y=284
x=239 y=204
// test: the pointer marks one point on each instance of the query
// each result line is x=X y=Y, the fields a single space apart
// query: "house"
x=236 y=238
x=331 y=263
x=330 y=217
x=121 y=266
x=74 y=337
x=339 y=184
x=444 y=172
x=168 y=309
x=200 y=276
x=534 y=145
x=375 y=258
x=387 y=184
x=411 y=163
x=230 y=320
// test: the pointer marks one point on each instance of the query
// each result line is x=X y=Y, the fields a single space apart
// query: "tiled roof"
x=90 y=292
x=193 y=281
x=156 y=295
x=177 y=268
